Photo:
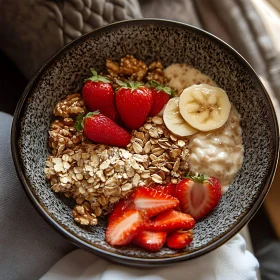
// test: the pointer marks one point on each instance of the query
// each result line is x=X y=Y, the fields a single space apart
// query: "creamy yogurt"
x=218 y=153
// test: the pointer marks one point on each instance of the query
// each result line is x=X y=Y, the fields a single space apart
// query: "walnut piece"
x=63 y=135
x=155 y=73
x=130 y=67
x=83 y=215
x=72 y=105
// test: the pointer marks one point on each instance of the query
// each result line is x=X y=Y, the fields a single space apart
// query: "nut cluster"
x=63 y=135
x=135 y=69
x=73 y=104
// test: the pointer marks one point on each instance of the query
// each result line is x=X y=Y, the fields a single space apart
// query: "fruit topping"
x=149 y=240
x=101 y=129
x=161 y=95
x=151 y=201
x=198 y=195
x=169 y=189
x=204 y=107
x=122 y=229
x=179 y=239
x=98 y=94
x=134 y=102
x=171 y=220
x=174 y=121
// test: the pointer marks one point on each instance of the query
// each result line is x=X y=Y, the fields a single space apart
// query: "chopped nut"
x=82 y=214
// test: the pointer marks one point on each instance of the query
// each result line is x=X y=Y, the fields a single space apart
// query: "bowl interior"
x=149 y=40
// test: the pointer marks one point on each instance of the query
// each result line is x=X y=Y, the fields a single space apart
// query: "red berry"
x=101 y=129
x=151 y=202
x=198 y=195
x=171 y=220
x=122 y=229
x=179 y=239
x=149 y=240
x=98 y=94
x=134 y=102
x=161 y=95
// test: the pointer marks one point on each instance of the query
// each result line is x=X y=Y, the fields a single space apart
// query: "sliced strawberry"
x=169 y=189
x=198 y=195
x=179 y=239
x=121 y=206
x=171 y=220
x=123 y=229
x=149 y=240
x=151 y=202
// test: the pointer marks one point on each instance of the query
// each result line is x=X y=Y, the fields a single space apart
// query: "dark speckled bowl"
x=150 y=40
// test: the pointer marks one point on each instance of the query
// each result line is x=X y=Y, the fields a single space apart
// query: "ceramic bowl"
x=149 y=40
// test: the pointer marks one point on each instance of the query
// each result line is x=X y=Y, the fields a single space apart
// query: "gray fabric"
x=33 y=30
x=29 y=246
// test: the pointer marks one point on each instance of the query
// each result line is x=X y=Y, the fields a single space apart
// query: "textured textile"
x=229 y=262
x=28 y=243
x=33 y=30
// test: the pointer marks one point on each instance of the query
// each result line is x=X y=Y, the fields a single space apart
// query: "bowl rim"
x=129 y=260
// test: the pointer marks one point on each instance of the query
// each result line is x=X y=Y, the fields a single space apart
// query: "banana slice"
x=204 y=107
x=174 y=121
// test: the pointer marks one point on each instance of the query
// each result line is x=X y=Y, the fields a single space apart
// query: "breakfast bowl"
x=169 y=43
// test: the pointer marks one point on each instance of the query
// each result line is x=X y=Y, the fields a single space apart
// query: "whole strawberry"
x=161 y=95
x=101 y=129
x=134 y=102
x=98 y=94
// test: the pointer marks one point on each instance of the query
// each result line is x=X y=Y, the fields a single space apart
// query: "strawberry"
x=151 y=202
x=150 y=241
x=98 y=94
x=121 y=206
x=101 y=129
x=167 y=189
x=171 y=220
x=161 y=95
x=198 y=195
x=134 y=102
x=179 y=239
x=122 y=229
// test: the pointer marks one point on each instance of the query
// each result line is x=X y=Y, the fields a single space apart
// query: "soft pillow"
x=32 y=31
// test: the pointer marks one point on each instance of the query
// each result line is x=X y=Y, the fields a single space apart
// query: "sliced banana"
x=204 y=107
x=174 y=121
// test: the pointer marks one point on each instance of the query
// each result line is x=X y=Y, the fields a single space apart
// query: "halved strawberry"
x=167 y=189
x=198 y=195
x=151 y=202
x=171 y=220
x=179 y=239
x=149 y=240
x=121 y=206
x=122 y=229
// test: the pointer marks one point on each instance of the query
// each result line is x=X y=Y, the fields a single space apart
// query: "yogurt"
x=218 y=153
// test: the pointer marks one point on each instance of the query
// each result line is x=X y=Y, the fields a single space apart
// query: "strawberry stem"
x=97 y=78
x=129 y=84
x=79 y=123
x=161 y=87
x=199 y=178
